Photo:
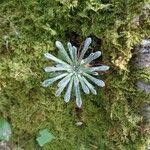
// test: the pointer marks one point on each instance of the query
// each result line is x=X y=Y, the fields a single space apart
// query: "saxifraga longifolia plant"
x=74 y=71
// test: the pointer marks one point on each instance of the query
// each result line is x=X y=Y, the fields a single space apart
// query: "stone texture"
x=143 y=86
x=143 y=61
x=143 y=54
x=4 y=145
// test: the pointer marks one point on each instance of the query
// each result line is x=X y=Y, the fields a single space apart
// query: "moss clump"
x=111 y=120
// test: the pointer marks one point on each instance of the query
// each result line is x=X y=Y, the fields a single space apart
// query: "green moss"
x=111 y=120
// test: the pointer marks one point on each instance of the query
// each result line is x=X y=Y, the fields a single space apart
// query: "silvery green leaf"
x=68 y=92
x=85 y=48
x=76 y=80
x=95 y=80
x=84 y=87
x=92 y=57
x=84 y=61
x=53 y=69
x=65 y=79
x=51 y=57
x=48 y=82
x=92 y=73
x=61 y=87
x=75 y=54
x=89 y=71
x=62 y=84
x=63 y=65
x=90 y=86
x=77 y=93
x=99 y=68
x=63 y=51
x=71 y=51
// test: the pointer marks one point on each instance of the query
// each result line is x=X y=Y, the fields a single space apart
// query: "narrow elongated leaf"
x=89 y=71
x=99 y=68
x=92 y=57
x=68 y=92
x=63 y=51
x=64 y=66
x=84 y=61
x=85 y=48
x=60 y=89
x=53 y=69
x=71 y=51
x=90 y=86
x=84 y=87
x=77 y=93
x=75 y=54
x=95 y=80
x=65 y=79
x=51 y=57
x=62 y=84
x=48 y=82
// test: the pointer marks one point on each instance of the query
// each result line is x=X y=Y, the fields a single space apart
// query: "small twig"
x=94 y=146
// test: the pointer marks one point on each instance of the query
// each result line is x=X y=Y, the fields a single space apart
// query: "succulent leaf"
x=75 y=54
x=53 y=69
x=77 y=93
x=49 y=56
x=65 y=79
x=62 y=84
x=85 y=48
x=100 y=68
x=92 y=57
x=84 y=86
x=46 y=83
x=70 y=51
x=63 y=51
x=95 y=80
x=90 y=86
x=68 y=92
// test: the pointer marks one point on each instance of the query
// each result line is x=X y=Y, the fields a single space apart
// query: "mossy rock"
x=112 y=119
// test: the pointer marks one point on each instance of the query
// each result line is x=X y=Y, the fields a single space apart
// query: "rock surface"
x=143 y=61
x=4 y=145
